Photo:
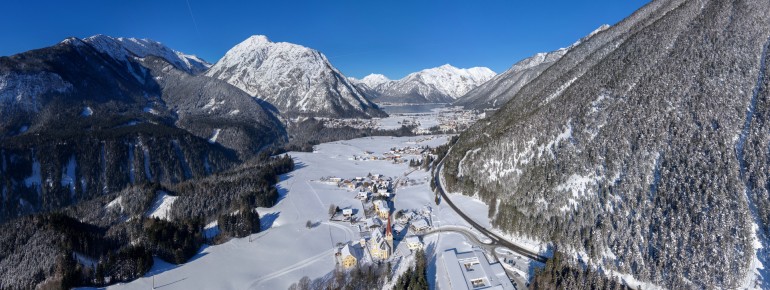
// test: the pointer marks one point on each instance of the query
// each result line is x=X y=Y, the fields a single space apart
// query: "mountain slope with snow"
x=643 y=150
x=79 y=123
x=297 y=80
x=502 y=87
x=121 y=49
x=442 y=84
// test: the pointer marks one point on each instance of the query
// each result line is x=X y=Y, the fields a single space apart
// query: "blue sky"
x=359 y=37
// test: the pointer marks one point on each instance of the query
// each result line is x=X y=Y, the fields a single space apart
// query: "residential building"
x=406 y=217
x=349 y=256
x=419 y=224
x=362 y=195
x=382 y=208
x=413 y=243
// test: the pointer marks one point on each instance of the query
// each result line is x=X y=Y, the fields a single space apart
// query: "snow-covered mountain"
x=297 y=80
x=113 y=120
x=502 y=87
x=642 y=147
x=442 y=84
x=374 y=80
x=122 y=49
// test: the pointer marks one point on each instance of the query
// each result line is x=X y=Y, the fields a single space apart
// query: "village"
x=449 y=120
x=396 y=154
x=349 y=205
x=385 y=233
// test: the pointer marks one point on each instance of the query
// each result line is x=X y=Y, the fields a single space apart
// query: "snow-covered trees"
x=114 y=240
x=628 y=149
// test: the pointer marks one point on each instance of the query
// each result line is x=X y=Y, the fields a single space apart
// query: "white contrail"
x=192 y=16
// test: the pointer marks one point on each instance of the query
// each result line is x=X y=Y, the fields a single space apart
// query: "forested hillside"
x=80 y=121
x=114 y=237
x=643 y=149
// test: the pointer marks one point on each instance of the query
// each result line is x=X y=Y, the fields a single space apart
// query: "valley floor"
x=286 y=249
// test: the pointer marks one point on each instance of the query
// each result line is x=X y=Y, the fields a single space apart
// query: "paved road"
x=460 y=230
x=473 y=238
x=494 y=237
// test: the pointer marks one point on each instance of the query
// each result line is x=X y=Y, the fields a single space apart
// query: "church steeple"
x=389 y=237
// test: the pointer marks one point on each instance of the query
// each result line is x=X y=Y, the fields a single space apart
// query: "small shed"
x=348 y=212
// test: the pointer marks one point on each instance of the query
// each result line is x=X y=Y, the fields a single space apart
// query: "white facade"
x=347 y=212
x=472 y=270
x=414 y=243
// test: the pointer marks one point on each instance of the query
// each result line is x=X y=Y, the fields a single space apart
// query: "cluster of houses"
x=379 y=230
x=418 y=221
x=366 y=186
x=456 y=120
x=449 y=120
x=377 y=243
x=410 y=122
x=353 y=123
x=396 y=159
x=408 y=150
x=381 y=224
x=396 y=155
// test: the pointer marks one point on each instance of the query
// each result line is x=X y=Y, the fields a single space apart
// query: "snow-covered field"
x=424 y=119
x=394 y=121
x=286 y=249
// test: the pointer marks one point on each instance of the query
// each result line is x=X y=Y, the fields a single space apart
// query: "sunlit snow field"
x=286 y=249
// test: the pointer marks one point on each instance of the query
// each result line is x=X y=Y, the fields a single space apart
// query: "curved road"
x=473 y=238
x=494 y=237
x=460 y=230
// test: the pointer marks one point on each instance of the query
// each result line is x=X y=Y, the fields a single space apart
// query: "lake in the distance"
x=411 y=108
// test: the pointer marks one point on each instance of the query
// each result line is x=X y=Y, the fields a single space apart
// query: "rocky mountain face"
x=442 y=84
x=642 y=150
x=79 y=122
x=214 y=110
x=297 y=80
x=497 y=91
x=125 y=49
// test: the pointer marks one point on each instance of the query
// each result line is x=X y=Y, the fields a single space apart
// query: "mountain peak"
x=72 y=41
x=122 y=49
x=441 y=84
x=296 y=79
x=373 y=80
x=258 y=39
x=253 y=43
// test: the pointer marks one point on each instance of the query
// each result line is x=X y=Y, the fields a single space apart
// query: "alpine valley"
x=635 y=158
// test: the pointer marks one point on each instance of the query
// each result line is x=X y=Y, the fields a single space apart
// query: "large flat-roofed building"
x=472 y=270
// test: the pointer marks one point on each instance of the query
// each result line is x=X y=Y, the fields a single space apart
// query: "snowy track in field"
x=290 y=268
